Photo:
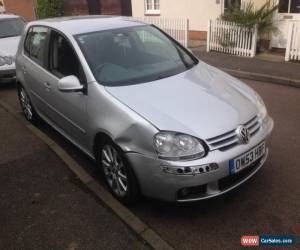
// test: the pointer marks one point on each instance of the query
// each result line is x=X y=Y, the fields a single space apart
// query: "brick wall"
x=76 y=7
x=24 y=8
x=197 y=35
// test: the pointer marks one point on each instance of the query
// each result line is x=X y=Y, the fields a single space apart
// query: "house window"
x=152 y=7
x=231 y=4
x=289 y=6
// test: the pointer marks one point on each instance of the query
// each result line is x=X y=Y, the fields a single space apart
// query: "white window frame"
x=152 y=10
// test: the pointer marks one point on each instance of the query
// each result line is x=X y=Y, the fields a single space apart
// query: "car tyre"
x=26 y=105
x=118 y=173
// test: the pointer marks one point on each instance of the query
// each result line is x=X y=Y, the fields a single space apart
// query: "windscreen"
x=133 y=55
x=11 y=27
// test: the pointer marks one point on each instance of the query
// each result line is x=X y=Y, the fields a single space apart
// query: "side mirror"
x=70 y=84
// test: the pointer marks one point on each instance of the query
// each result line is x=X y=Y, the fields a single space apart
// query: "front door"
x=288 y=11
x=68 y=109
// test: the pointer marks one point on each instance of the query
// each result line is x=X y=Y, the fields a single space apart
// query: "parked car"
x=11 y=27
x=157 y=120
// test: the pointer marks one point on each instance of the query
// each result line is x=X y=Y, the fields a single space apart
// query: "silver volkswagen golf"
x=157 y=120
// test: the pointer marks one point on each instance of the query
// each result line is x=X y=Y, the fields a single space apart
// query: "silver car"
x=157 y=120
x=11 y=27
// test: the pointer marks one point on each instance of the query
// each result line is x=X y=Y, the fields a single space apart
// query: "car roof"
x=74 y=25
x=7 y=16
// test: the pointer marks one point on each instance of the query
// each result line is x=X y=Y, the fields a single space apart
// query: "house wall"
x=257 y=3
x=24 y=8
x=197 y=11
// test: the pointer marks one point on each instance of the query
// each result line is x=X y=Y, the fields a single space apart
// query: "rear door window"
x=36 y=44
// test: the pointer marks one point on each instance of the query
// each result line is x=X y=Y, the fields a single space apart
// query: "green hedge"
x=50 y=8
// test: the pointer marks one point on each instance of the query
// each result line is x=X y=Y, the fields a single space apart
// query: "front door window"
x=63 y=60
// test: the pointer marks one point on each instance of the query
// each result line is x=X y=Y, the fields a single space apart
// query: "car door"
x=68 y=109
x=33 y=67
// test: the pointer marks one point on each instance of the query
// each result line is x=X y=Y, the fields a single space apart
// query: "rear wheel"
x=26 y=105
x=118 y=174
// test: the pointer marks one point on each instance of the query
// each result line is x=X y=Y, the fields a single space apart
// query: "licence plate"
x=246 y=159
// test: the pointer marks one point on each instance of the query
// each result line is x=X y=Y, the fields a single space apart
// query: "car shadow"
x=146 y=206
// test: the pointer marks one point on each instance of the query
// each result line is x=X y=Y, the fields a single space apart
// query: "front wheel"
x=118 y=174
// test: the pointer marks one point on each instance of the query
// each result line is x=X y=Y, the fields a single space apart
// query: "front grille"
x=231 y=180
x=230 y=139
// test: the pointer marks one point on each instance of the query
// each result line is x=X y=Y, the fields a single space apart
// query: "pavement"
x=43 y=205
x=285 y=73
x=267 y=204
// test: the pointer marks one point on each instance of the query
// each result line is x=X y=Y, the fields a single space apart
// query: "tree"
x=50 y=8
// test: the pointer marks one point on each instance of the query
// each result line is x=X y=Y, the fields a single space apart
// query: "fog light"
x=195 y=170
x=184 y=192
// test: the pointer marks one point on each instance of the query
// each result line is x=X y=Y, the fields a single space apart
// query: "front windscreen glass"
x=11 y=27
x=133 y=55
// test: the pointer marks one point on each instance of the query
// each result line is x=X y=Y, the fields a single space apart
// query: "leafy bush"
x=248 y=17
x=50 y=8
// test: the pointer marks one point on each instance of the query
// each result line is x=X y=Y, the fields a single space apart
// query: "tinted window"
x=295 y=6
x=11 y=27
x=232 y=4
x=63 y=60
x=35 y=44
x=133 y=55
x=283 y=6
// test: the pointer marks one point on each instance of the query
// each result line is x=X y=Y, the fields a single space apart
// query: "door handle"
x=24 y=69
x=47 y=85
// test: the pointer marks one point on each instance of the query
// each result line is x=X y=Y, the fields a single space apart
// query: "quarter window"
x=35 y=44
x=152 y=7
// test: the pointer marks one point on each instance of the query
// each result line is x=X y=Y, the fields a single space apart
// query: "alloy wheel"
x=114 y=170
x=26 y=105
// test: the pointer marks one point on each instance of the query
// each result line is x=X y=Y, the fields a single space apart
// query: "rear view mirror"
x=70 y=84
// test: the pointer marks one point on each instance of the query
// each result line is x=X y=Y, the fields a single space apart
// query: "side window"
x=63 y=60
x=27 y=42
x=35 y=44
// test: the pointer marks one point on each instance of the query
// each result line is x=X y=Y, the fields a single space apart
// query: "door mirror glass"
x=70 y=84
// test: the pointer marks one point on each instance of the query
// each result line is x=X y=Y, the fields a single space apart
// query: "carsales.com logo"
x=267 y=240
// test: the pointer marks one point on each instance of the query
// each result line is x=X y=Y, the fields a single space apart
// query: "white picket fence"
x=230 y=38
x=293 y=42
x=175 y=27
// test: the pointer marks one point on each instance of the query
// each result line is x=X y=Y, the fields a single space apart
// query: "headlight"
x=6 y=60
x=262 y=110
x=177 y=146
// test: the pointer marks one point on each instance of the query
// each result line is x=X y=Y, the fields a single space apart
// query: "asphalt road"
x=43 y=205
x=267 y=204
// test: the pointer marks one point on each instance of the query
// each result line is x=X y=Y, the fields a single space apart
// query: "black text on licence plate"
x=244 y=160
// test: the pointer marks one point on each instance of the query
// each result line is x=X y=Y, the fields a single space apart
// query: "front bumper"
x=156 y=183
x=7 y=75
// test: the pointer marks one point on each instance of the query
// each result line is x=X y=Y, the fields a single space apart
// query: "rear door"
x=33 y=67
x=68 y=110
